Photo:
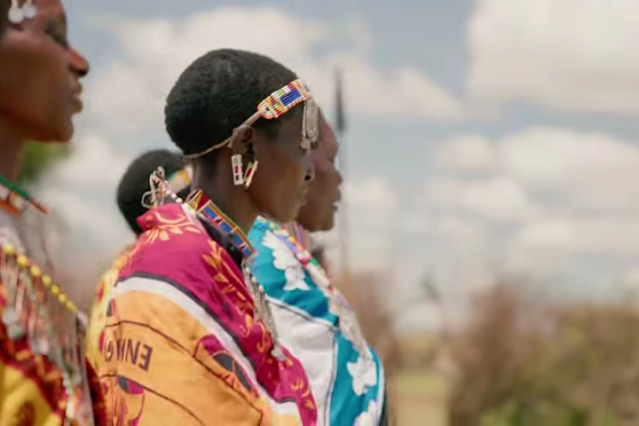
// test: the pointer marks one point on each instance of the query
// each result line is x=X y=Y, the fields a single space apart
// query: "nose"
x=77 y=63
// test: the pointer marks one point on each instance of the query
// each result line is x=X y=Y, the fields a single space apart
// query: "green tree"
x=38 y=159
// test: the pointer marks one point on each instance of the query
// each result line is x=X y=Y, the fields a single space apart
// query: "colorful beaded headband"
x=18 y=14
x=273 y=106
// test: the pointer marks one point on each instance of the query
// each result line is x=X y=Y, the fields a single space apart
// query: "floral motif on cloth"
x=181 y=344
x=318 y=326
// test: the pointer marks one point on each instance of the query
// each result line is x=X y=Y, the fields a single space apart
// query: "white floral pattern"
x=285 y=260
x=363 y=372
x=369 y=417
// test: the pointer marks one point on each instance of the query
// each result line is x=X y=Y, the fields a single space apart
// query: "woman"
x=317 y=323
x=189 y=339
x=44 y=381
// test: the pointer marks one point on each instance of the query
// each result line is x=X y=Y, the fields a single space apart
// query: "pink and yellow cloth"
x=178 y=343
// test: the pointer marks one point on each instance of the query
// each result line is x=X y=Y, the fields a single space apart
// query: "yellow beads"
x=23 y=263
x=35 y=272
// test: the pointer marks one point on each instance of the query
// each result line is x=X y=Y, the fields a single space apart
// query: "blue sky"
x=486 y=137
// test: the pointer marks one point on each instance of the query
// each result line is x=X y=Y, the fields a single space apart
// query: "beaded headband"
x=274 y=106
x=18 y=14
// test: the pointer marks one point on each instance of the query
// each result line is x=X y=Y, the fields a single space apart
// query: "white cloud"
x=545 y=203
x=498 y=198
x=94 y=165
x=469 y=153
x=372 y=204
x=583 y=235
x=155 y=52
x=576 y=55
x=587 y=171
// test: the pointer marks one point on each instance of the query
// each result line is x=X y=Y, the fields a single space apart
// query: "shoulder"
x=175 y=249
x=174 y=245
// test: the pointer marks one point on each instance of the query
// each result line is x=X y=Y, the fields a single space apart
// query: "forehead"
x=327 y=141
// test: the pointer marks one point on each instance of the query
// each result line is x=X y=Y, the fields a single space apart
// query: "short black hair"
x=135 y=182
x=217 y=93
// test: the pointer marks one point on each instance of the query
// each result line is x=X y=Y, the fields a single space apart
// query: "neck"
x=232 y=200
x=12 y=146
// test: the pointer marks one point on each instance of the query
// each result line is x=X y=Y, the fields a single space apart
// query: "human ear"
x=242 y=140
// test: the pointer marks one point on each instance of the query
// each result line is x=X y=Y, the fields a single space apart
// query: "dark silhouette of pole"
x=340 y=127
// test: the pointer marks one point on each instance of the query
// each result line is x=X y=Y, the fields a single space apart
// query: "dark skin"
x=39 y=84
x=280 y=183
x=318 y=214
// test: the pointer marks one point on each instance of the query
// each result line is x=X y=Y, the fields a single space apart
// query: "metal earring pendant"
x=238 y=169
x=16 y=14
x=250 y=172
x=29 y=10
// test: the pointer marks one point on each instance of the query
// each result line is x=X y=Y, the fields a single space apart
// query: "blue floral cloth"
x=318 y=326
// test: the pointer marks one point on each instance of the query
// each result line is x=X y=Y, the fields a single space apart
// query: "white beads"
x=18 y=15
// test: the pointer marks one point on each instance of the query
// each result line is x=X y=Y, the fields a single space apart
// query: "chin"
x=283 y=216
x=328 y=225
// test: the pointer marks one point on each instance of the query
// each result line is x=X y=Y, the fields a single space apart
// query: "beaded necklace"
x=14 y=199
x=38 y=310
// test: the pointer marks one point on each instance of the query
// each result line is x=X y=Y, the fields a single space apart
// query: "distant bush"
x=524 y=365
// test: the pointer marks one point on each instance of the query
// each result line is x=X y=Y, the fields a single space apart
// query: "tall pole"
x=340 y=126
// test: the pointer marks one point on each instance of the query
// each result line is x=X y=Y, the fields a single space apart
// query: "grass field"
x=419 y=399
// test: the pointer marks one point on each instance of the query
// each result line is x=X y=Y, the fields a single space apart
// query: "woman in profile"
x=43 y=379
x=189 y=338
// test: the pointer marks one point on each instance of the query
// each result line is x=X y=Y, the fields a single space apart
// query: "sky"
x=486 y=138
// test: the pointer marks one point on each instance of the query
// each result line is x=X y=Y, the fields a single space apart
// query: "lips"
x=76 y=96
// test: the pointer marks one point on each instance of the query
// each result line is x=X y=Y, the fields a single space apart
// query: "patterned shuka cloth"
x=180 y=344
x=97 y=316
x=319 y=328
x=33 y=391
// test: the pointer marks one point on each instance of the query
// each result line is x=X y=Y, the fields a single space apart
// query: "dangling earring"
x=250 y=172
x=238 y=172
x=29 y=10
x=16 y=14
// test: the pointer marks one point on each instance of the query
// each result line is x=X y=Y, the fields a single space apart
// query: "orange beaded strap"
x=37 y=310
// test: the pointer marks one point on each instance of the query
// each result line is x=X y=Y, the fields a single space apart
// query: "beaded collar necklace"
x=15 y=200
x=298 y=233
x=204 y=206
x=34 y=307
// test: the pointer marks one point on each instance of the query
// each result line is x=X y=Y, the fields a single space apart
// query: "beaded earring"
x=18 y=14
x=250 y=172
x=238 y=172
